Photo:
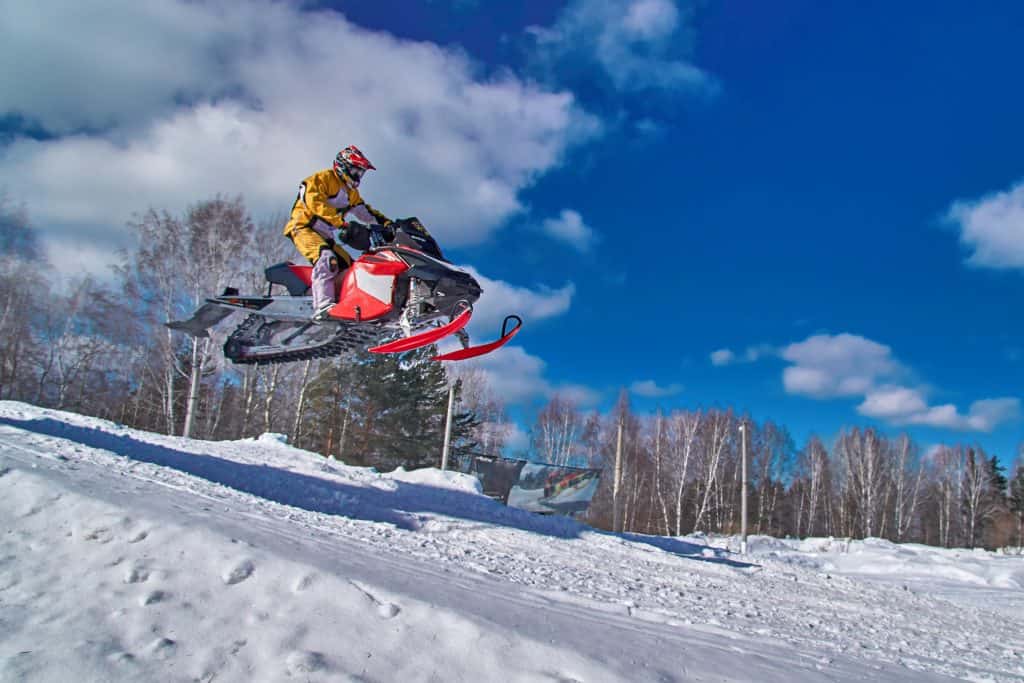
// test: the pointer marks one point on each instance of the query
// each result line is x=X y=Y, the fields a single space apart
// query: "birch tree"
x=977 y=487
x=557 y=431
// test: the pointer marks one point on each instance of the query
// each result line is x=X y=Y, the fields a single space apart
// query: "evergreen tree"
x=398 y=407
x=998 y=478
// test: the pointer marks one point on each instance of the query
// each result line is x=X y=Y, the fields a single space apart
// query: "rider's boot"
x=324 y=283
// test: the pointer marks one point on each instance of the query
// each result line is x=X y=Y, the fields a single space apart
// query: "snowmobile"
x=400 y=295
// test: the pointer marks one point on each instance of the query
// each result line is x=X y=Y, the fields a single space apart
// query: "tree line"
x=100 y=348
x=681 y=472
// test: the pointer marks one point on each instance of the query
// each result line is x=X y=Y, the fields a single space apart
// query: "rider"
x=318 y=219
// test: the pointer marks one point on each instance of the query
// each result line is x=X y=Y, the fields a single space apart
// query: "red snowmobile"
x=401 y=294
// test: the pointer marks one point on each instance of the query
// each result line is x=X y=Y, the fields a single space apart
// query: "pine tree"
x=398 y=408
x=998 y=479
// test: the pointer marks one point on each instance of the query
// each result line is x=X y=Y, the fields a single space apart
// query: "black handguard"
x=356 y=235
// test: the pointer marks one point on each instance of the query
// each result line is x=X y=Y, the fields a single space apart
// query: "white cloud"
x=987 y=414
x=569 y=227
x=893 y=403
x=518 y=377
x=993 y=228
x=98 y=65
x=829 y=366
x=651 y=20
x=722 y=357
x=517 y=439
x=753 y=353
x=983 y=415
x=636 y=43
x=532 y=305
x=178 y=101
x=651 y=389
x=826 y=366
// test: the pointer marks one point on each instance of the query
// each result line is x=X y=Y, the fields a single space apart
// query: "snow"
x=132 y=556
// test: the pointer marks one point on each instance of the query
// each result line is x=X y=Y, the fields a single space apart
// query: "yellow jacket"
x=323 y=198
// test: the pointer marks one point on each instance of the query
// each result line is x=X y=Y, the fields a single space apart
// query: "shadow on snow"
x=406 y=507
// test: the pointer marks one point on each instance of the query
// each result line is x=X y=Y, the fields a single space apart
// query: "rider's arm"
x=315 y=198
x=365 y=213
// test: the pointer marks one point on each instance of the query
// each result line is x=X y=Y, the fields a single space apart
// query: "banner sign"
x=546 y=489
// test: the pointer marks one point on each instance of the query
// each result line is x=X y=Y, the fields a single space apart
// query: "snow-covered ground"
x=130 y=556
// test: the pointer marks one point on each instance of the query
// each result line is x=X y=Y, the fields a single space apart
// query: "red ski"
x=474 y=351
x=425 y=338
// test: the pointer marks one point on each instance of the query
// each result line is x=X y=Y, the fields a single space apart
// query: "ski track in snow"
x=145 y=556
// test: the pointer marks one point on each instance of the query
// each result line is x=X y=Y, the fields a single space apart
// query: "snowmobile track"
x=349 y=339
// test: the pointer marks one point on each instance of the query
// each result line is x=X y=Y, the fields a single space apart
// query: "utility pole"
x=193 y=390
x=448 y=428
x=617 y=480
x=743 y=489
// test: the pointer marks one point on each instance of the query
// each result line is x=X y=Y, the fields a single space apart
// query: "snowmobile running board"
x=474 y=351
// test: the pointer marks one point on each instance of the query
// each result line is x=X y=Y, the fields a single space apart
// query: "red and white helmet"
x=350 y=165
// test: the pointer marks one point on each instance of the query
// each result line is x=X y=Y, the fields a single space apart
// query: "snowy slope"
x=130 y=556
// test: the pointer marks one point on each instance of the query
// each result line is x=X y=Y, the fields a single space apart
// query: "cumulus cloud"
x=903 y=406
x=651 y=389
x=501 y=298
x=826 y=366
x=992 y=228
x=163 y=104
x=518 y=377
x=569 y=227
x=830 y=366
x=638 y=44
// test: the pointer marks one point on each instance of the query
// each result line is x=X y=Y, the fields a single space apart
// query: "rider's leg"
x=328 y=265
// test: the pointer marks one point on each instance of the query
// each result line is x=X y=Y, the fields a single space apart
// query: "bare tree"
x=718 y=428
x=908 y=475
x=478 y=398
x=681 y=435
x=865 y=457
x=813 y=466
x=947 y=472
x=978 y=501
x=557 y=432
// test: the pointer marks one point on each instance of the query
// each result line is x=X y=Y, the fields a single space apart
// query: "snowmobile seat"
x=290 y=276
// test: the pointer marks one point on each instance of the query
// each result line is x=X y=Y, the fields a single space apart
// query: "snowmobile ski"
x=481 y=349
x=425 y=338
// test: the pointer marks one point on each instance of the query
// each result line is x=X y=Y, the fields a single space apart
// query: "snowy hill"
x=131 y=556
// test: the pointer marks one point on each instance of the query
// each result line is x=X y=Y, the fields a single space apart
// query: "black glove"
x=387 y=231
x=356 y=235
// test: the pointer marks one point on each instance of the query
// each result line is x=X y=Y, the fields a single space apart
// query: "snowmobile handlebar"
x=380 y=235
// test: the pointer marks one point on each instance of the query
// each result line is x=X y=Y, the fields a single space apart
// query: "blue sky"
x=813 y=212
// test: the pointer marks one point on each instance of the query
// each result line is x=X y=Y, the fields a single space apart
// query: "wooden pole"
x=448 y=428
x=616 y=522
x=743 y=494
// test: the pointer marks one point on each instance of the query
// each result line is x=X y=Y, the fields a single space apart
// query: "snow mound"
x=455 y=481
